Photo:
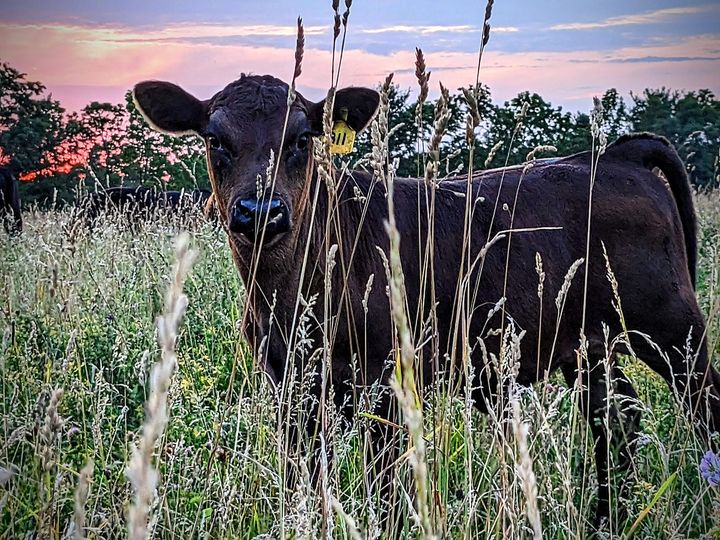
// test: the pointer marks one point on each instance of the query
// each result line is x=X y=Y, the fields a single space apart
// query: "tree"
x=31 y=125
x=579 y=138
x=403 y=127
x=541 y=125
x=456 y=151
x=97 y=133
x=691 y=121
x=151 y=158
x=614 y=115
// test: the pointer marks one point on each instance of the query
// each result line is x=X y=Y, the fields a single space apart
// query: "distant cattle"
x=10 y=202
x=280 y=233
x=141 y=203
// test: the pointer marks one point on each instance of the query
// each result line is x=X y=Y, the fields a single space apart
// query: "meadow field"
x=78 y=342
x=132 y=406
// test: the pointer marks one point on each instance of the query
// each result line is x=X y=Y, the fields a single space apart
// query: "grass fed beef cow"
x=281 y=229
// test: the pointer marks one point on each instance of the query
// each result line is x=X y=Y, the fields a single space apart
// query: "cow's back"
x=541 y=210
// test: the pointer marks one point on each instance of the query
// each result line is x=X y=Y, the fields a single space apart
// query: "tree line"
x=60 y=155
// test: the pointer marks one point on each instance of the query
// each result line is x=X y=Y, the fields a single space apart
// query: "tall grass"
x=79 y=315
x=79 y=390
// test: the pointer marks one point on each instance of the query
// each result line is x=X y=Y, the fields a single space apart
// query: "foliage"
x=105 y=144
x=79 y=315
x=61 y=156
x=691 y=121
x=97 y=132
x=31 y=125
x=149 y=157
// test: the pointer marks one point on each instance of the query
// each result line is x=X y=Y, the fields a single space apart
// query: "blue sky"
x=565 y=50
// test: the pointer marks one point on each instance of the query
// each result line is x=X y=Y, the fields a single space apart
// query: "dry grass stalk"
x=599 y=143
x=50 y=430
x=352 y=527
x=346 y=14
x=596 y=120
x=541 y=287
x=297 y=71
x=483 y=40
x=70 y=350
x=472 y=120
x=524 y=470
x=403 y=383
x=321 y=152
x=379 y=134
x=48 y=452
x=336 y=20
x=423 y=77
x=140 y=470
x=492 y=153
x=520 y=116
x=471 y=99
x=81 y=496
x=562 y=293
x=442 y=117
x=541 y=149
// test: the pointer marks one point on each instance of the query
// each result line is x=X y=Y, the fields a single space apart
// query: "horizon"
x=84 y=52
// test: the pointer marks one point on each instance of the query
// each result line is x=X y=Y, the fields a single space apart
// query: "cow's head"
x=242 y=125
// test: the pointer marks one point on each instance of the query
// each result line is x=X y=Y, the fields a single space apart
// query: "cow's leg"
x=679 y=333
x=16 y=226
x=5 y=212
x=621 y=416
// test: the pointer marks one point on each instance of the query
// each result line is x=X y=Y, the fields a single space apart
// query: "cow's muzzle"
x=259 y=219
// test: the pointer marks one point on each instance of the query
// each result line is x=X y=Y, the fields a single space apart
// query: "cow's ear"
x=169 y=108
x=356 y=106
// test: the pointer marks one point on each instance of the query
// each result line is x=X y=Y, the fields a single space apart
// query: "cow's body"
x=10 y=202
x=645 y=224
x=140 y=203
x=634 y=216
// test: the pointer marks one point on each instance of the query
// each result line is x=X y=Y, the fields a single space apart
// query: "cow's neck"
x=274 y=277
x=301 y=263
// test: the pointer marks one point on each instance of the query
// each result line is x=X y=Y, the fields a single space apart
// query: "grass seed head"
x=299 y=49
x=486 y=22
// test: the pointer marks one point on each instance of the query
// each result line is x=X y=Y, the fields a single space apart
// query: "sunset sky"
x=566 y=50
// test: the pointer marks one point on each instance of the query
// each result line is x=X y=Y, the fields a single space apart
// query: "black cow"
x=280 y=230
x=140 y=203
x=10 y=202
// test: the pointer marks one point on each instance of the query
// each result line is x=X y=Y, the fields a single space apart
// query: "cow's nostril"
x=259 y=219
x=243 y=217
x=276 y=213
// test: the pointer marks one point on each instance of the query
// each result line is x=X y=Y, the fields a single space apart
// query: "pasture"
x=146 y=395
x=79 y=339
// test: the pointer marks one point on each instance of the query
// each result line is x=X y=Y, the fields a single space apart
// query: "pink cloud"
x=79 y=63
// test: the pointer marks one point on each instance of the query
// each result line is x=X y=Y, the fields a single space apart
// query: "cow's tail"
x=654 y=151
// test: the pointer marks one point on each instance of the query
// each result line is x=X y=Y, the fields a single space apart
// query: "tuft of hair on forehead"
x=252 y=94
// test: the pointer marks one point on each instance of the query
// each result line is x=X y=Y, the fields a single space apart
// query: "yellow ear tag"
x=343 y=138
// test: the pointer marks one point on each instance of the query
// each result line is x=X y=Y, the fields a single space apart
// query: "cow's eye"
x=213 y=142
x=303 y=141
